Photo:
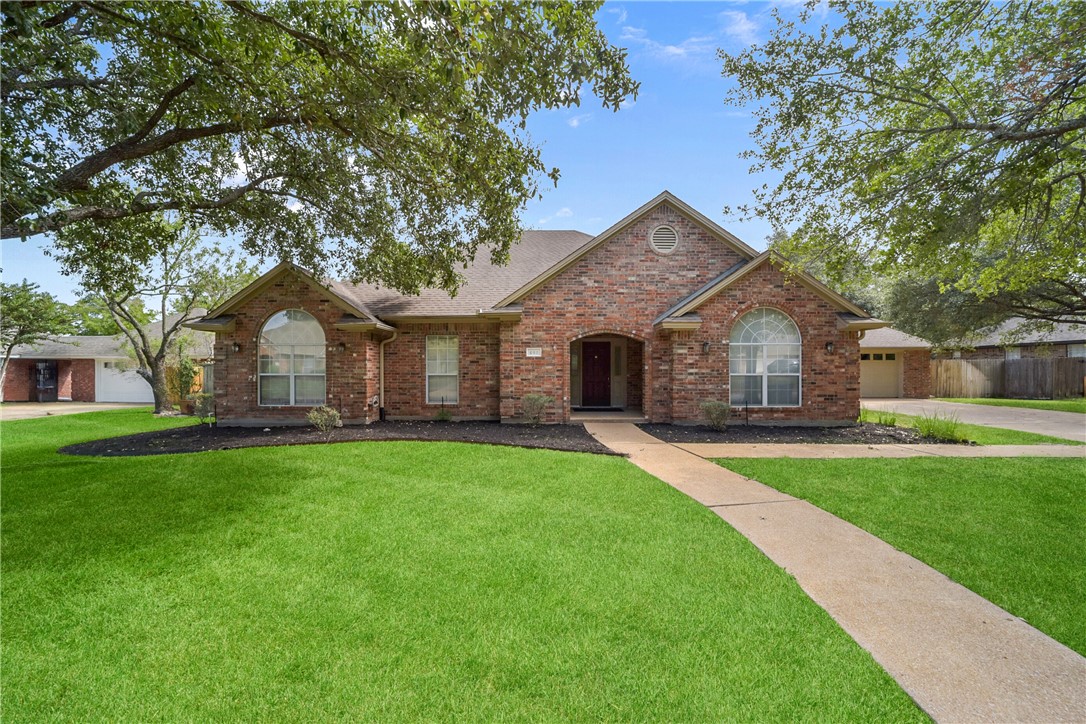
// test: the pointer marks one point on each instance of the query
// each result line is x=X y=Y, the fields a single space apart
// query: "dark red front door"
x=596 y=374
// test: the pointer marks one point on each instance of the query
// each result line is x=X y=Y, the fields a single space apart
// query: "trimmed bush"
x=939 y=427
x=443 y=415
x=716 y=413
x=324 y=418
x=534 y=406
x=203 y=406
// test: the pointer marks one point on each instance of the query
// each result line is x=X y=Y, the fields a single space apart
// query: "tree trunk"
x=156 y=376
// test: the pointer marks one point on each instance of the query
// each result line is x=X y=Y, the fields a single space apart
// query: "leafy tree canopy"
x=91 y=316
x=27 y=316
x=945 y=139
x=385 y=141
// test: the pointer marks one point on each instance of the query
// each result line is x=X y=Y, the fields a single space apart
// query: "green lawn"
x=1011 y=529
x=393 y=581
x=980 y=434
x=1076 y=404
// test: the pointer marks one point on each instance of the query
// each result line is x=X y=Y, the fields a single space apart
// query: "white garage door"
x=112 y=384
x=880 y=373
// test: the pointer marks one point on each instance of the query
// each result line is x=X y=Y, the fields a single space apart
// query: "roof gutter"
x=381 y=372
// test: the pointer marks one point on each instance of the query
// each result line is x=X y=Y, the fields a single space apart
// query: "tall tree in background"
x=90 y=316
x=177 y=278
x=941 y=139
x=384 y=141
x=27 y=316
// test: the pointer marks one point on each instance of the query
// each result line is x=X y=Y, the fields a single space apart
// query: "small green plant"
x=443 y=415
x=939 y=427
x=717 y=413
x=324 y=418
x=534 y=406
x=886 y=418
x=203 y=406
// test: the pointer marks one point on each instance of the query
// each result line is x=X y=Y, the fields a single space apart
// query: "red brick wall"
x=405 y=371
x=830 y=382
x=1027 y=350
x=17 y=380
x=350 y=379
x=619 y=288
x=623 y=286
x=64 y=379
x=916 y=370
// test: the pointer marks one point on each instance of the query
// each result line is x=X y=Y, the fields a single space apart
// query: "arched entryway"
x=607 y=373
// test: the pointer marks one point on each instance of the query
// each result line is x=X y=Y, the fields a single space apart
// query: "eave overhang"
x=225 y=323
x=357 y=324
x=685 y=323
x=505 y=314
x=847 y=322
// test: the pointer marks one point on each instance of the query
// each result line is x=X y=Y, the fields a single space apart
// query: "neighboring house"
x=1008 y=341
x=658 y=313
x=83 y=369
x=894 y=364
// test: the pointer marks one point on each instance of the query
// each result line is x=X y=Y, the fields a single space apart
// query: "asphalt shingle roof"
x=892 y=338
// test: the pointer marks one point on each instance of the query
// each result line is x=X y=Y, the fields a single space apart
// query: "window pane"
x=309 y=360
x=747 y=359
x=274 y=359
x=309 y=390
x=443 y=388
x=746 y=390
x=782 y=390
x=892 y=356
x=274 y=390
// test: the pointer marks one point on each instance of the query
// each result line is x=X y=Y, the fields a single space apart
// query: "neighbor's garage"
x=894 y=364
x=114 y=383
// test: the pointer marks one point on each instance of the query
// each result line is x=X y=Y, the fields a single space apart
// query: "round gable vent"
x=664 y=239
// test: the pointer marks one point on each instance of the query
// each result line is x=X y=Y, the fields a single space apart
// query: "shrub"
x=939 y=427
x=534 y=406
x=886 y=418
x=324 y=418
x=443 y=415
x=203 y=406
x=717 y=413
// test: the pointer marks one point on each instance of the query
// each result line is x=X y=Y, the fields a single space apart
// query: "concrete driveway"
x=27 y=410
x=1068 y=425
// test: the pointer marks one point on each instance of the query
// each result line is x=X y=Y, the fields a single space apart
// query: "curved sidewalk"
x=960 y=657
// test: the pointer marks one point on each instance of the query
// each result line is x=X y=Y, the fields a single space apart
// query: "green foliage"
x=203 y=406
x=881 y=417
x=324 y=418
x=91 y=316
x=941 y=138
x=716 y=413
x=1074 y=404
x=185 y=378
x=982 y=434
x=533 y=406
x=277 y=572
x=938 y=426
x=386 y=140
x=443 y=415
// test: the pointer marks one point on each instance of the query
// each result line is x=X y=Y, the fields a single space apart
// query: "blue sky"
x=678 y=135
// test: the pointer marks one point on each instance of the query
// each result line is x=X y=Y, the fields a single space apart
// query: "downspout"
x=381 y=373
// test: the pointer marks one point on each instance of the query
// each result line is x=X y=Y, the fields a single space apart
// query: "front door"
x=596 y=374
x=44 y=382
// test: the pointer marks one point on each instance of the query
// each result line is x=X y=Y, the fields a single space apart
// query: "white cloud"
x=564 y=212
x=576 y=121
x=696 y=51
x=738 y=26
x=628 y=103
x=620 y=12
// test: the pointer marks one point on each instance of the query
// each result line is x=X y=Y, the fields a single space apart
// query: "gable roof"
x=665 y=197
x=741 y=270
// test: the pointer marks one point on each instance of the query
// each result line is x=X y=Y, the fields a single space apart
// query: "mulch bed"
x=198 y=438
x=865 y=434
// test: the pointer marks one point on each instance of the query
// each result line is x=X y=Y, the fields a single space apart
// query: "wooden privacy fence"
x=1038 y=378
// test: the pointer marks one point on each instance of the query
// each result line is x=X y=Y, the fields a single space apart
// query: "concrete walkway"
x=734 y=450
x=27 y=410
x=1069 y=425
x=960 y=657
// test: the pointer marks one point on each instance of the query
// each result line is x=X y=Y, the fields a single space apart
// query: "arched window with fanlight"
x=292 y=360
x=764 y=358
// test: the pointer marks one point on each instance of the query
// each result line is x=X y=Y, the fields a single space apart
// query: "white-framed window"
x=1014 y=353
x=442 y=370
x=291 y=364
x=765 y=360
x=1076 y=350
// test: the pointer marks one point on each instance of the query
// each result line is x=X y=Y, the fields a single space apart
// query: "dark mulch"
x=865 y=434
x=571 y=438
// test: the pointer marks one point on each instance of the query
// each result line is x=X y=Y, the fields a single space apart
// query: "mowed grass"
x=980 y=434
x=1077 y=404
x=395 y=581
x=1011 y=529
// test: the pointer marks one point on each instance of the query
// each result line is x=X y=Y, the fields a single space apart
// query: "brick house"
x=894 y=364
x=1016 y=339
x=658 y=313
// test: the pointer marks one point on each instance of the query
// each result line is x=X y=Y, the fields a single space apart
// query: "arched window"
x=764 y=356
x=292 y=360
